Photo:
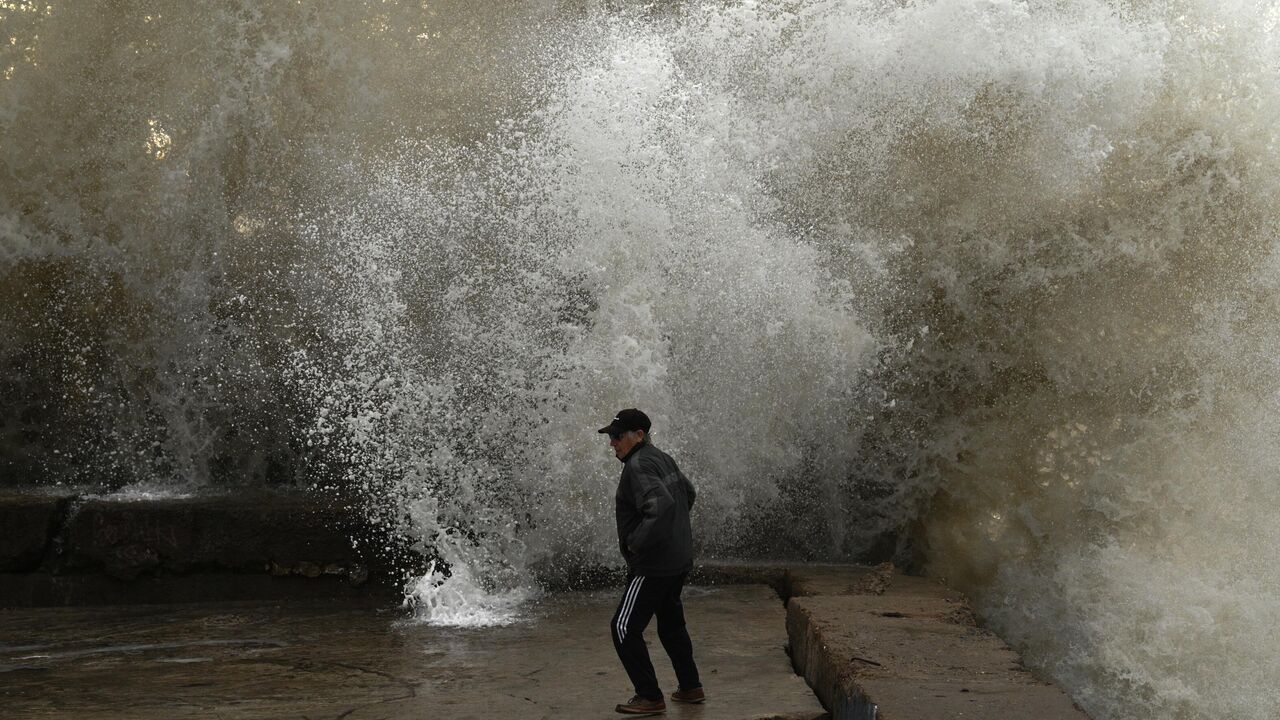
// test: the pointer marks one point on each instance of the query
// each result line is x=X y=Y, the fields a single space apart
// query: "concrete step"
x=878 y=645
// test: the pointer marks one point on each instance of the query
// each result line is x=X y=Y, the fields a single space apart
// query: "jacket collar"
x=639 y=445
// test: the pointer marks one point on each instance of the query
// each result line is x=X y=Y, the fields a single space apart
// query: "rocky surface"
x=878 y=645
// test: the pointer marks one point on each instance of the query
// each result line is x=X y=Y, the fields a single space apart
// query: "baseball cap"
x=627 y=420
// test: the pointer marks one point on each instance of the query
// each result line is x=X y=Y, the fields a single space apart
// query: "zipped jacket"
x=652 y=508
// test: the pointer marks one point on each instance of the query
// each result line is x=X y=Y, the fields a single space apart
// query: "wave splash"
x=986 y=282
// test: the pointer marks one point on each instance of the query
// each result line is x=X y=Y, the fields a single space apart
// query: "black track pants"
x=643 y=598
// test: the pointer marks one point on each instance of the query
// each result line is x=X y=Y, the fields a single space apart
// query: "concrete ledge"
x=247 y=531
x=62 y=549
x=29 y=521
x=877 y=645
x=47 y=590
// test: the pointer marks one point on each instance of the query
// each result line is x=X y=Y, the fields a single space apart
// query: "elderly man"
x=652 y=508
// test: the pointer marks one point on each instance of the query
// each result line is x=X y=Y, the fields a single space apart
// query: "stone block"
x=913 y=654
x=250 y=531
x=28 y=521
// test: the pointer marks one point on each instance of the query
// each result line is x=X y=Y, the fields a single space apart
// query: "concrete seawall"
x=62 y=548
x=872 y=643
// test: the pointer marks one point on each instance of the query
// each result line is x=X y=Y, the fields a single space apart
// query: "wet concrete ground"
x=360 y=662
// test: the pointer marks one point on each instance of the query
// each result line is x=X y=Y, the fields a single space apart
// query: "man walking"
x=652 y=508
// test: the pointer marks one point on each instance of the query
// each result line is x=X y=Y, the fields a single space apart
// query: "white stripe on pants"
x=627 y=605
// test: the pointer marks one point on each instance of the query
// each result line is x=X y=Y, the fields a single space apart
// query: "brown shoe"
x=689 y=696
x=640 y=706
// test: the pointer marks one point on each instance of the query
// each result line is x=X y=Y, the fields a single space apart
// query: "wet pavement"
x=359 y=662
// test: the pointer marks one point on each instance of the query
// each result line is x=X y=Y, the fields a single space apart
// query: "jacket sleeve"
x=656 y=506
x=689 y=492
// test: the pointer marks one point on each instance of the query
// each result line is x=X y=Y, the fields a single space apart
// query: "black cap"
x=627 y=420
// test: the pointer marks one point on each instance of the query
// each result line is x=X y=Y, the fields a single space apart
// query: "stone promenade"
x=237 y=661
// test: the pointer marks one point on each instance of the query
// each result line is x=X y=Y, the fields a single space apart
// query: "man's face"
x=624 y=442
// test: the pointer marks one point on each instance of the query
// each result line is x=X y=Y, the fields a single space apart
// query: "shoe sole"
x=699 y=701
x=639 y=712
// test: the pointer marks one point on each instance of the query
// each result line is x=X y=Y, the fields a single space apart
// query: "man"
x=652 y=508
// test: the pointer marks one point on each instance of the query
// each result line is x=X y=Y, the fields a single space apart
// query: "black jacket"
x=652 y=507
